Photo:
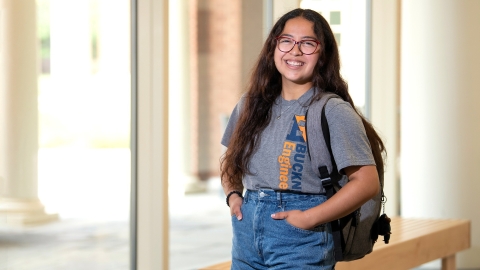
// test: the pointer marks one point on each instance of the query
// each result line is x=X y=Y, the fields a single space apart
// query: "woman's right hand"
x=235 y=203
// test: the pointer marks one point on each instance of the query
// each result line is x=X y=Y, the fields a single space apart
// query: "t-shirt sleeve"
x=350 y=145
x=232 y=122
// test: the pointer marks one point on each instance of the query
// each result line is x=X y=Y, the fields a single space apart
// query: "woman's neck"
x=294 y=92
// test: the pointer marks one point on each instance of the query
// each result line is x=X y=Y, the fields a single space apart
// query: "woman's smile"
x=294 y=63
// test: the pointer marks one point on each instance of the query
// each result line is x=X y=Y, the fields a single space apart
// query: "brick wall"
x=223 y=51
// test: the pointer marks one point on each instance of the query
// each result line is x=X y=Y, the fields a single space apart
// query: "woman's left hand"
x=297 y=218
x=363 y=184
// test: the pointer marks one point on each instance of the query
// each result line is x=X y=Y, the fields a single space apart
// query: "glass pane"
x=335 y=17
x=84 y=140
x=348 y=20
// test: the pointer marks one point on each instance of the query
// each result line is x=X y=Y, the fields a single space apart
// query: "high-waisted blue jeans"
x=261 y=242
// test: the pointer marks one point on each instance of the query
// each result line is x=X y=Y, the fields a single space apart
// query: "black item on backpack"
x=355 y=234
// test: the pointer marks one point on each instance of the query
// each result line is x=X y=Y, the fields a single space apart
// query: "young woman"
x=281 y=222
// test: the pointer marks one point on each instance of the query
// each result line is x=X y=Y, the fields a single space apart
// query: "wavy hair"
x=265 y=86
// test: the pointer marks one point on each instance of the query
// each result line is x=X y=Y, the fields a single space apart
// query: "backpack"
x=355 y=234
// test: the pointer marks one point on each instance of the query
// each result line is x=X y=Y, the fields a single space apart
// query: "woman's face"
x=295 y=66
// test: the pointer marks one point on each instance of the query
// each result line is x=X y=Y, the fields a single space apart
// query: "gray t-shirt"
x=281 y=161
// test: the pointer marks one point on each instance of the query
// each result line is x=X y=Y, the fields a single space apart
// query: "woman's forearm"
x=362 y=186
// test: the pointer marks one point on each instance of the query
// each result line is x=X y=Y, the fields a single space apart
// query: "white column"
x=440 y=145
x=181 y=179
x=152 y=135
x=385 y=91
x=19 y=203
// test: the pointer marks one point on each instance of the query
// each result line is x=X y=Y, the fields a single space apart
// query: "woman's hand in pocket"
x=235 y=206
x=296 y=218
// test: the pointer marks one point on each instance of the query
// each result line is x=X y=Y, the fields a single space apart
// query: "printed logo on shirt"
x=292 y=159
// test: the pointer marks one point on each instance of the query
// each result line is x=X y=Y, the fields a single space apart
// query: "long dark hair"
x=266 y=85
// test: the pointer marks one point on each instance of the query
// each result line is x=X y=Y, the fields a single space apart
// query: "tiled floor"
x=198 y=237
x=202 y=235
x=67 y=244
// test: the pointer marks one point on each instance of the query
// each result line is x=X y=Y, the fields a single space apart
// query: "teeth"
x=295 y=63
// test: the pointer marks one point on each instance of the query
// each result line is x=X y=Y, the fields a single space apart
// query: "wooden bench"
x=413 y=242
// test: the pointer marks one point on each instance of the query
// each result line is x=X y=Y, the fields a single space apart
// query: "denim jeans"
x=261 y=242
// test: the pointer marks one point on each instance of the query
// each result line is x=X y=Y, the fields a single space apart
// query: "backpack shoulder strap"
x=318 y=137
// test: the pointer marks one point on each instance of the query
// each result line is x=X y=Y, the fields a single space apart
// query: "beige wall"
x=440 y=146
x=385 y=95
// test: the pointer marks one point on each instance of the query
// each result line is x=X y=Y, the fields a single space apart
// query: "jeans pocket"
x=319 y=228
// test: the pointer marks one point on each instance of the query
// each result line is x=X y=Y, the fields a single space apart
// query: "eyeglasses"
x=286 y=44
